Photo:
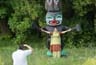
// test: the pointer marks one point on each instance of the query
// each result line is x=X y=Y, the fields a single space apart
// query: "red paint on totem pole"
x=55 y=47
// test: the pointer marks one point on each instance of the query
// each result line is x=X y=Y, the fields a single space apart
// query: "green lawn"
x=76 y=56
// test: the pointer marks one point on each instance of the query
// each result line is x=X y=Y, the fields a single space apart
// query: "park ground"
x=75 y=56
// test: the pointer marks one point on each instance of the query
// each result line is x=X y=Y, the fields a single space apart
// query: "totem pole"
x=54 y=22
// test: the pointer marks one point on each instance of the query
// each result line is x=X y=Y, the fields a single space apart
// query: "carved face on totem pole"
x=54 y=18
x=54 y=15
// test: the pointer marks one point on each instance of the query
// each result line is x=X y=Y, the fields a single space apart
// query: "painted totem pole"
x=54 y=20
x=54 y=23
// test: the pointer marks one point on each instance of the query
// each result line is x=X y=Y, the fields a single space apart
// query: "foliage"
x=2 y=12
x=24 y=13
x=90 y=61
x=85 y=10
x=21 y=14
x=3 y=9
x=82 y=7
x=5 y=37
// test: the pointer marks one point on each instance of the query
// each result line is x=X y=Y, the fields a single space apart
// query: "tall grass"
x=76 y=56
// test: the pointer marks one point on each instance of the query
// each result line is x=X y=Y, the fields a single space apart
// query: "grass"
x=76 y=56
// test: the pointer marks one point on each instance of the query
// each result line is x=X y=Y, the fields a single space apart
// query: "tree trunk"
x=4 y=29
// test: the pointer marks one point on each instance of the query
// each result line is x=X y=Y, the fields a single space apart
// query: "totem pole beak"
x=54 y=22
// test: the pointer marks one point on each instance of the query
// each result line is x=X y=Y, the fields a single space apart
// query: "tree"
x=25 y=11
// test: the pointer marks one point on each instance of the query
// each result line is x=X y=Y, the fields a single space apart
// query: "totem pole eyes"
x=54 y=18
x=58 y=18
